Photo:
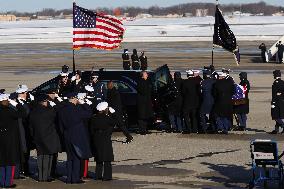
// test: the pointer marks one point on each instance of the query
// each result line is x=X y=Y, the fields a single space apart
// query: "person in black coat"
x=223 y=91
x=144 y=102
x=280 y=48
x=277 y=103
x=126 y=60
x=175 y=107
x=101 y=127
x=9 y=139
x=45 y=136
x=143 y=61
x=77 y=144
x=191 y=102
x=77 y=85
x=243 y=109
x=263 y=49
x=207 y=102
x=135 y=60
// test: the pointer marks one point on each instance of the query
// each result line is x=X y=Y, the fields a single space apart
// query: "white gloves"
x=111 y=110
x=73 y=78
x=52 y=104
x=32 y=97
x=272 y=106
x=59 y=98
x=88 y=102
x=13 y=102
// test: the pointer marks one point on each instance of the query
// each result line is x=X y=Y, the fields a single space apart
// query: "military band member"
x=277 y=103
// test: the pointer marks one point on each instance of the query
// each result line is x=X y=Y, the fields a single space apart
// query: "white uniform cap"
x=22 y=89
x=81 y=96
x=111 y=110
x=4 y=97
x=102 y=106
x=189 y=72
x=62 y=74
x=196 y=71
x=89 y=88
x=222 y=74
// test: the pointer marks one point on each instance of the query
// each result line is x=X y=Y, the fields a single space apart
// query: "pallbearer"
x=126 y=60
x=144 y=61
x=135 y=60
x=9 y=140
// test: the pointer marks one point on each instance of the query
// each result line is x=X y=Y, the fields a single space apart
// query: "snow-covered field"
x=147 y=30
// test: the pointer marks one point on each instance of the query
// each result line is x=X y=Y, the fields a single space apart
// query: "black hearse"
x=126 y=82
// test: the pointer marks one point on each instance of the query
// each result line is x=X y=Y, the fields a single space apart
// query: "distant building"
x=23 y=18
x=44 y=17
x=278 y=14
x=201 y=12
x=173 y=16
x=7 y=17
x=188 y=14
x=144 y=16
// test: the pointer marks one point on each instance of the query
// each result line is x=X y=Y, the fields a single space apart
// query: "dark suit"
x=78 y=87
x=126 y=61
x=71 y=119
x=144 y=62
x=135 y=62
x=280 y=52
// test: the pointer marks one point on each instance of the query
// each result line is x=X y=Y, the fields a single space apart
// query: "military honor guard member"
x=126 y=60
x=277 y=103
x=99 y=92
x=135 y=60
x=77 y=85
x=144 y=61
x=280 y=48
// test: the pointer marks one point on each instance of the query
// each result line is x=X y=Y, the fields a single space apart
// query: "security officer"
x=126 y=60
x=206 y=116
x=9 y=140
x=135 y=60
x=191 y=102
x=71 y=118
x=144 y=102
x=223 y=91
x=263 y=49
x=143 y=61
x=277 y=104
x=99 y=92
x=77 y=85
x=24 y=100
x=42 y=124
x=101 y=127
x=280 y=47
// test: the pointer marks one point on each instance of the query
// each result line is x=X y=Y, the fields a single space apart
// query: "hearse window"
x=162 y=80
x=120 y=86
x=51 y=85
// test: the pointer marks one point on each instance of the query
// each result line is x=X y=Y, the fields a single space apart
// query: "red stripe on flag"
x=111 y=24
x=76 y=47
x=109 y=29
x=82 y=32
x=110 y=18
x=97 y=40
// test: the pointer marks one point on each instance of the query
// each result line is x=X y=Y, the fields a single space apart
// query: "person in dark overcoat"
x=277 y=103
x=175 y=107
x=223 y=91
x=10 y=149
x=126 y=60
x=45 y=136
x=143 y=61
x=135 y=60
x=144 y=102
x=207 y=102
x=243 y=109
x=101 y=127
x=263 y=50
x=191 y=102
x=280 y=48
x=71 y=119
x=77 y=85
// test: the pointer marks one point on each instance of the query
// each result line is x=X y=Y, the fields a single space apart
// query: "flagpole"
x=212 y=55
x=74 y=63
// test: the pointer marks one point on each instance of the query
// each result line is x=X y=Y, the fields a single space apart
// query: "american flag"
x=94 y=30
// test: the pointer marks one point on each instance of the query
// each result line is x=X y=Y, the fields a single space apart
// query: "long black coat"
x=135 y=62
x=191 y=94
x=43 y=130
x=9 y=135
x=223 y=91
x=72 y=125
x=244 y=108
x=144 y=100
x=101 y=126
x=78 y=88
x=277 y=104
x=207 y=96
x=175 y=108
x=144 y=62
x=114 y=100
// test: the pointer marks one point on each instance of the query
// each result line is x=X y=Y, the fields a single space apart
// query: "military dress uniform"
x=126 y=60
x=135 y=60
x=144 y=62
x=280 y=48
x=277 y=103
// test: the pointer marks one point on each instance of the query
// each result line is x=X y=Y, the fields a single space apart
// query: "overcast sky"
x=36 y=5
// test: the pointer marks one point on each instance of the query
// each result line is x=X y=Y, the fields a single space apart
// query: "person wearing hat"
x=77 y=84
x=135 y=60
x=191 y=102
x=263 y=50
x=223 y=91
x=144 y=103
x=207 y=102
x=26 y=140
x=101 y=127
x=277 y=103
x=10 y=149
x=143 y=61
x=126 y=60
x=99 y=88
x=242 y=109
x=280 y=48
x=64 y=85
x=175 y=107
x=72 y=123
x=43 y=130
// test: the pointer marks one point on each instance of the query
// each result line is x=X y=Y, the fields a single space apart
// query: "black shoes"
x=78 y=182
x=12 y=186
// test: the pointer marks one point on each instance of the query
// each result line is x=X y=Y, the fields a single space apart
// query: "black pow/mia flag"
x=223 y=36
